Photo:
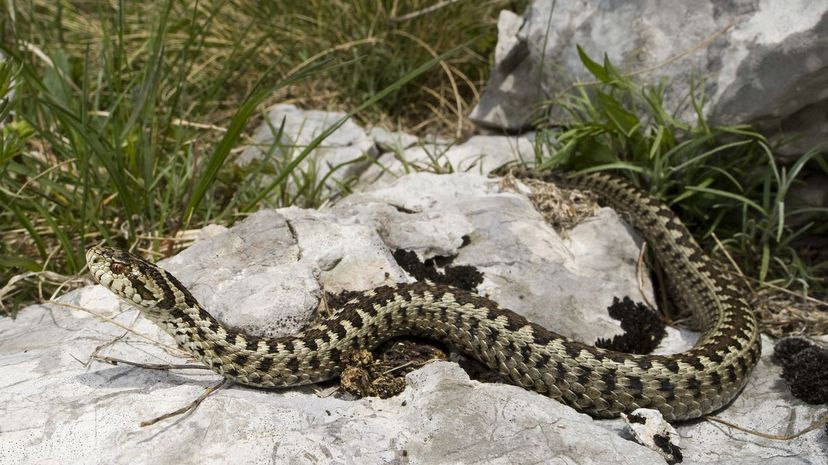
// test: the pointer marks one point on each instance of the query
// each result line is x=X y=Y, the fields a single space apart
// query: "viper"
x=600 y=382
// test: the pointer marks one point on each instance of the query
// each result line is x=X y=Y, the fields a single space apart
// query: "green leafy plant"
x=724 y=181
x=127 y=138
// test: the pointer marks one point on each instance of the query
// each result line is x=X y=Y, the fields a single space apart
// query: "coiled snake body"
x=599 y=382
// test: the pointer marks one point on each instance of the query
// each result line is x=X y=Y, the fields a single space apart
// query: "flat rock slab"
x=267 y=274
x=480 y=154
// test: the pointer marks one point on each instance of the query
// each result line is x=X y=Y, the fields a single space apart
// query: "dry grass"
x=786 y=314
x=372 y=42
x=127 y=111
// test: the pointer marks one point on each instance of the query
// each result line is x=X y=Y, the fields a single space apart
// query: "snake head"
x=126 y=275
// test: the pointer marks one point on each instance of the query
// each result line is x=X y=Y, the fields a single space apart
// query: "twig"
x=11 y=285
x=788 y=291
x=345 y=46
x=741 y=274
x=51 y=255
x=733 y=263
x=187 y=408
x=110 y=320
x=662 y=311
x=150 y=366
x=175 y=122
x=181 y=122
x=449 y=75
x=184 y=235
x=325 y=310
x=704 y=43
x=94 y=353
x=641 y=254
x=779 y=437
x=39 y=175
x=424 y=11
x=38 y=52
x=327 y=392
x=391 y=370
x=69 y=280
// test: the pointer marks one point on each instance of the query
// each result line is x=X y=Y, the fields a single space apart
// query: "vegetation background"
x=124 y=115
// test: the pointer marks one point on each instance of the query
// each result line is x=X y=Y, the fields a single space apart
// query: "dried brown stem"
x=189 y=407
x=150 y=366
x=424 y=11
x=124 y=327
x=641 y=267
x=778 y=437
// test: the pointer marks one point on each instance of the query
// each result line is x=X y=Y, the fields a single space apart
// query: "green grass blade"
x=730 y=195
x=102 y=152
x=225 y=145
x=593 y=67
x=765 y=263
x=621 y=166
x=28 y=226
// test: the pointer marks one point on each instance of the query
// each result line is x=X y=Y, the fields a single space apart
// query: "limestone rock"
x=343 y=152
x=391 y=141
x=650 y=428
x=764 y=62
x=508 y=100
x=479 y=154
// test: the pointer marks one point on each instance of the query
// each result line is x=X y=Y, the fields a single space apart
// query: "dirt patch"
x=562 y=208
x=383 y=376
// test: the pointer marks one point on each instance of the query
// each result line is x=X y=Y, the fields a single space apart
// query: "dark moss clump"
x=463 y=277
x=643 y=329
x=804 y=368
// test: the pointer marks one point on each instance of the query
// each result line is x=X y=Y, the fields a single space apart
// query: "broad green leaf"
x=593 y=67
x=622 y=120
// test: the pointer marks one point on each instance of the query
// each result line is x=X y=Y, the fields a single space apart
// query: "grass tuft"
x=125 y=115
x=723 y=181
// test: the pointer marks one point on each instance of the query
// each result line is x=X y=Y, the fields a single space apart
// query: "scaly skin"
x=599 y=382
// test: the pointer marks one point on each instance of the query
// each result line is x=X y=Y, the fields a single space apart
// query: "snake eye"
x=118 y=268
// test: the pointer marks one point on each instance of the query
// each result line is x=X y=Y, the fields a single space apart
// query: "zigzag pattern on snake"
x=596 y=381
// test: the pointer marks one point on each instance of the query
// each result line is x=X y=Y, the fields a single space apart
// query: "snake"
x=600 y=382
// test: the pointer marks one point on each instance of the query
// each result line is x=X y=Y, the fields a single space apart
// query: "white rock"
x=346 y=151
x=480 y=154
x=507 y=101
x=211 y=230
x=651 y=429
x=525 y=263
x=763 y=62
x=765 y=405
x=391 y=141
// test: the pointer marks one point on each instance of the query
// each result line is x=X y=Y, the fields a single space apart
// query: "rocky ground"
x=267 y=275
